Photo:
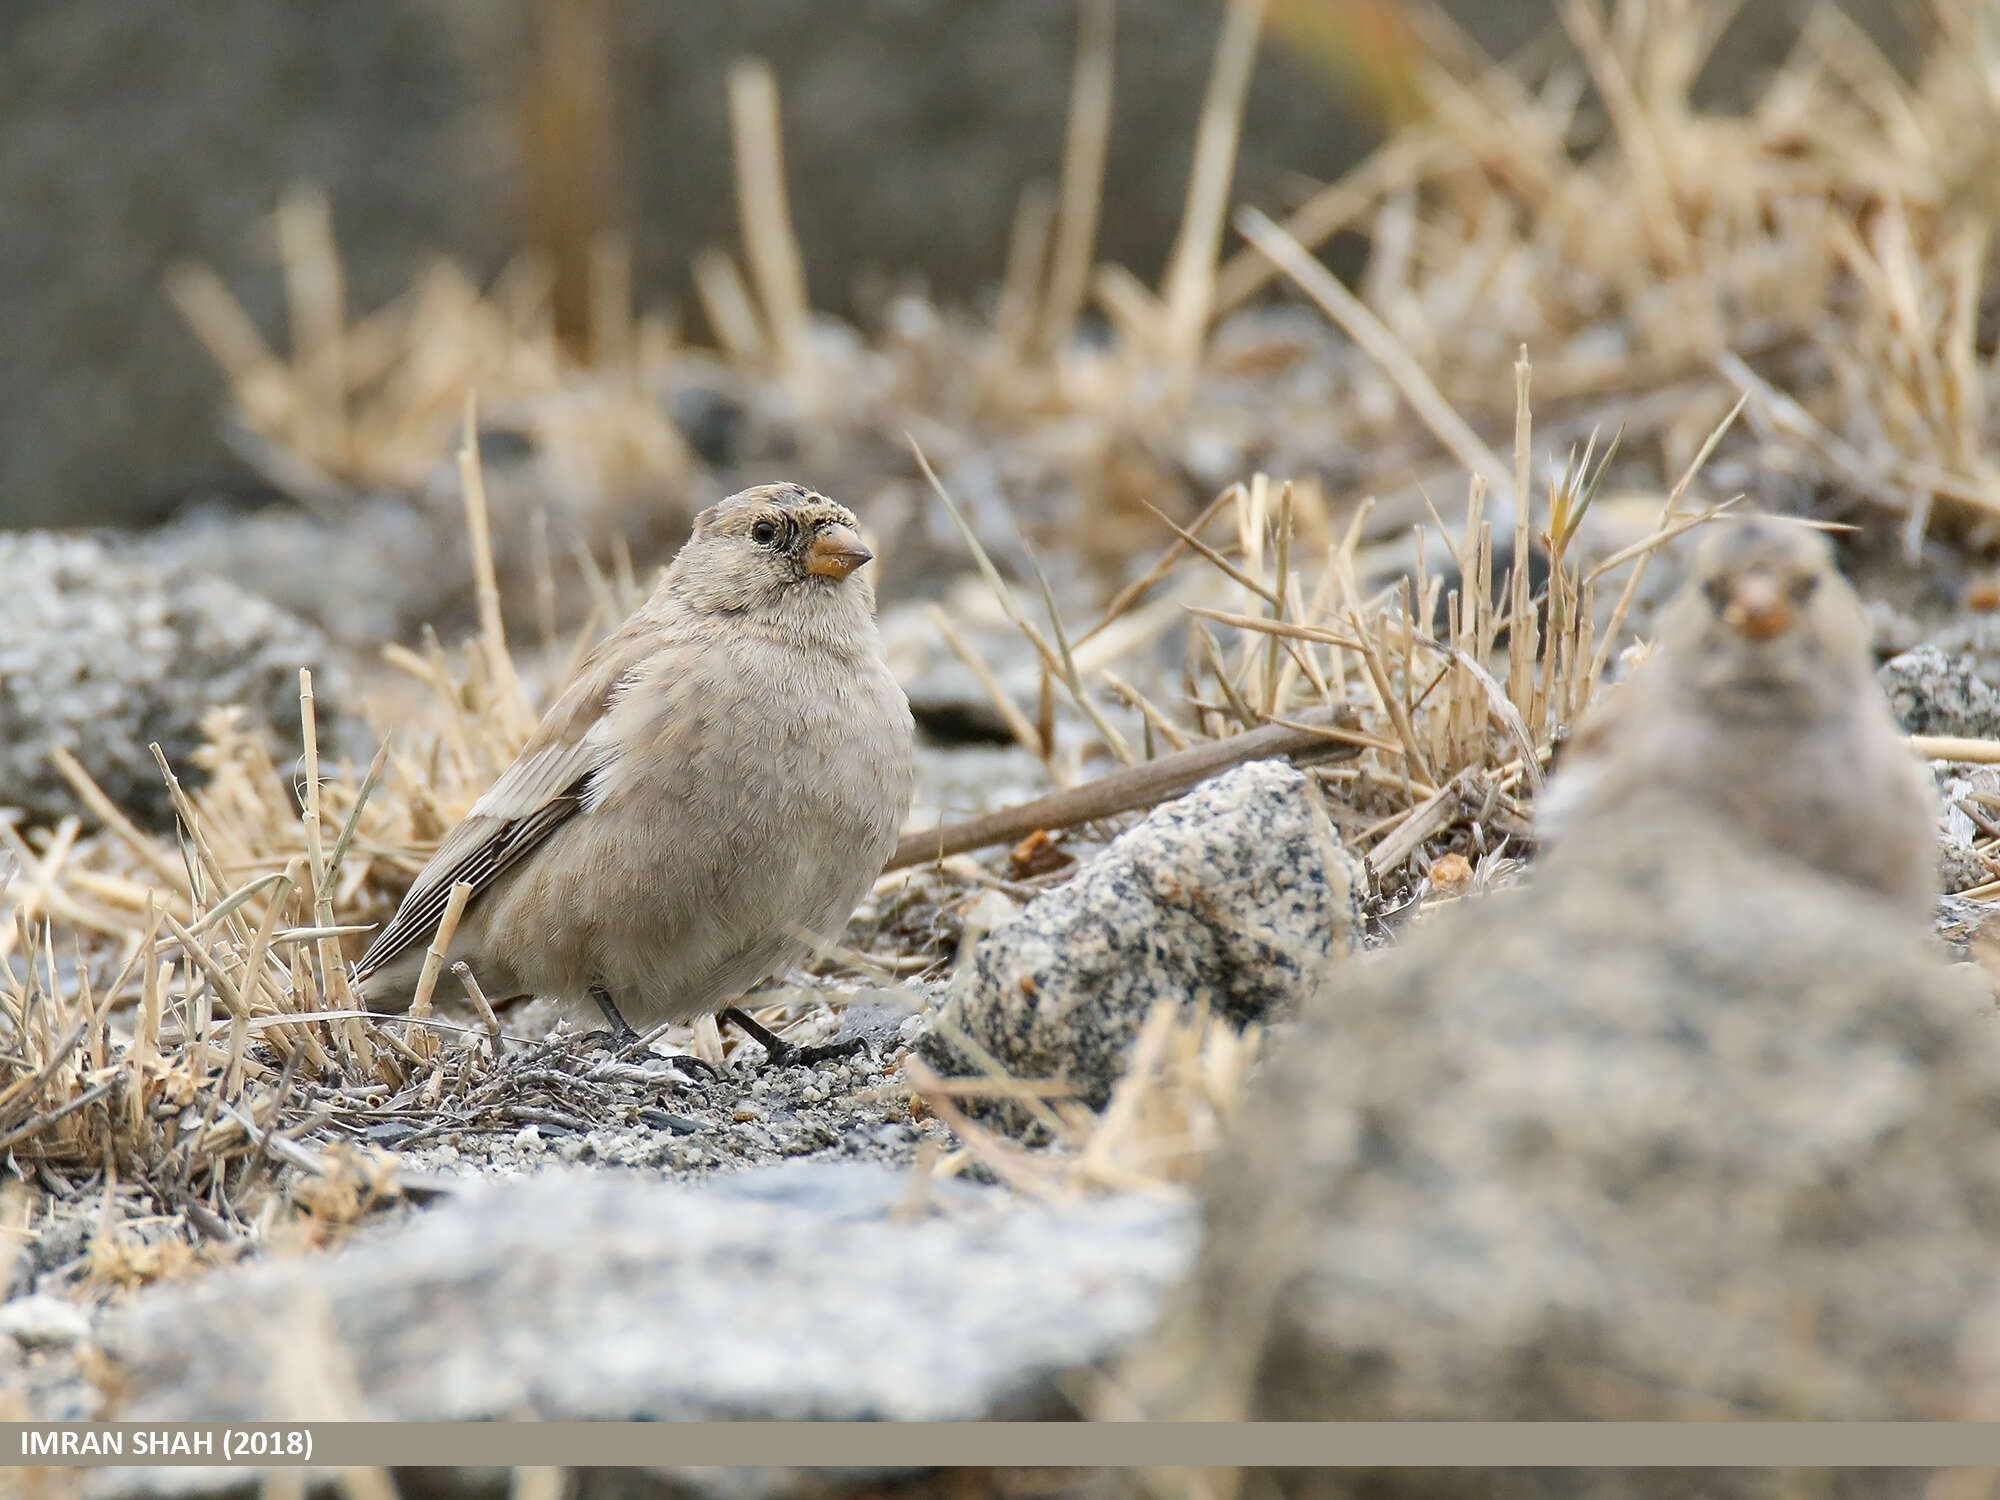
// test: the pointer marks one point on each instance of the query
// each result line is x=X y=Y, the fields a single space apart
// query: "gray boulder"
x=794 y=1292
x=1938 y=692
x=1238 y=895
x=104 y=656
x=1676 y=1131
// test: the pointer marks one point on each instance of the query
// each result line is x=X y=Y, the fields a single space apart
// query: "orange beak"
x=1758 y=608
x=836 y=552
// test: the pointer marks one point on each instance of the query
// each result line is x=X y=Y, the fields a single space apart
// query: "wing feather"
x=545 y=785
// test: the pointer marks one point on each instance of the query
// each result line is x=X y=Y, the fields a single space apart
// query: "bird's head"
x=776 y=548
x=1767 y=627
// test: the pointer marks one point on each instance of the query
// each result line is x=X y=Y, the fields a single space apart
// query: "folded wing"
x=534 y=796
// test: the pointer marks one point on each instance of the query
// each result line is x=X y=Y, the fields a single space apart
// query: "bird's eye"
x=764 y=533
x=1803 y=586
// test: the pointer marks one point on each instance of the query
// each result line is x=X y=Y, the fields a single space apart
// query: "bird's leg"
x=627 y=1043
x=783 y=1054
x=622 y=1034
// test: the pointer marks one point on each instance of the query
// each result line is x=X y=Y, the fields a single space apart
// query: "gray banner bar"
x=1006 y=1445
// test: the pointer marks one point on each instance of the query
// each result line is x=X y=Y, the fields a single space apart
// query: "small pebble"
x=44 y=1322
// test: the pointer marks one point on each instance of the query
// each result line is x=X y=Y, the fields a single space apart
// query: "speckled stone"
x=1937 y=692
x=811 y=1291
x=105 y=656
x=1237 y=894
x=1674 y=1131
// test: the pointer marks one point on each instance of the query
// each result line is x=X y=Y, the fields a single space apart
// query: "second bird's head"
x=775 y=546
x=1767 y=625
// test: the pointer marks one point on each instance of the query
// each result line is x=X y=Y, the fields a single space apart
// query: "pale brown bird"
x=726 y=772
x=1760 y=701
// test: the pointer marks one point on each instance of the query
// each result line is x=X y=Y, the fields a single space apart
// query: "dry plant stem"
x=1007 y=1088
x=1952 y=748
x=1399 y=163
x=92 y=797
x=333 y=974
x=1283 y=628
x=1134 y=787
x=726 y=303
x=1072 y=678
x=492 y=629
x=609 y=257
x=1058 y=664
x=1084 y=143
x=316 y=299
x=1189 y=286
x=371 y=780
x=1125 y=597
x=1635 y=127
x=1016 y=1166
x=1156 y=722
x=1379 y=343
x=197 y=846
x=434 y=956
x=992 y=1067
x=1122 y=1112
x=1430 y=816
x=1631 y=590
x=38 y=892
x=1522 y=642
x=766 y=218
x=1017 y=722
x=206 y=304
x=1018 y=309
x=1134 y=312
x=201 y=958
x=1215 y=558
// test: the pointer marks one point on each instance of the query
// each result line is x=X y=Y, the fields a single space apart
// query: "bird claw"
x=790 y=1056
x=607 y=1040
x=782 y=1054
x=687 y=1062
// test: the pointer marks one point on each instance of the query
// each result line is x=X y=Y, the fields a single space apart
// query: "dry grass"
x=178 y=1037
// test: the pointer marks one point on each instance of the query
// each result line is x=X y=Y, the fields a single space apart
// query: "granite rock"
x=1237 y=895
x=105 y=656
x=1934 y=691
x=806 y=1291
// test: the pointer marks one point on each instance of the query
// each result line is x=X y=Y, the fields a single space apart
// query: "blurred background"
x=131 y=141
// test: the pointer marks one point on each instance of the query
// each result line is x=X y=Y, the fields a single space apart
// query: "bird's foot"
x=811 y=1057
x=783 y=1054
x=616 y=1026
x=688 y=1063
x=626 y=1044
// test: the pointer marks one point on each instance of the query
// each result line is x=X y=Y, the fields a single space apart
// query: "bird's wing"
x=546 y=784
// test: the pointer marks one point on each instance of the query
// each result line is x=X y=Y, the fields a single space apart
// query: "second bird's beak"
x=1758 y=608
x=836 y=552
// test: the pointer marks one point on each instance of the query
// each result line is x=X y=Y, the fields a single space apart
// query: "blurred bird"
x=724 y=775
x=1760 y=701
